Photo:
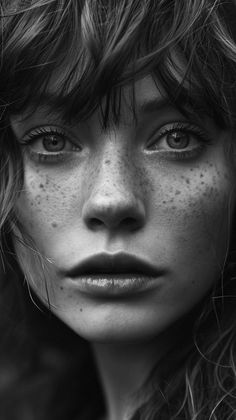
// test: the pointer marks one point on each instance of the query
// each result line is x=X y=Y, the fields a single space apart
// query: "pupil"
x=178 y=140
x=54 y=143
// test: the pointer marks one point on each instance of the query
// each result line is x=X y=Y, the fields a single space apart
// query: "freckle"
x=201 y=175
x=202 y=183
x=41 y=186
x=54 y=225
x=107 y=162
x=164 y=202
x=62 y=288
x=177 y=192
x=81 y=310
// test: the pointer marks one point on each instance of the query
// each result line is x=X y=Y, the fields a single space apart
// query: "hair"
x=94 y=49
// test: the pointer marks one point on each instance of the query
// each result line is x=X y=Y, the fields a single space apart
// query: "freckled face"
x=157 y=189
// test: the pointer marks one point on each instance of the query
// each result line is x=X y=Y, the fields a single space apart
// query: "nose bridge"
x=114 y=199
x=116 y=171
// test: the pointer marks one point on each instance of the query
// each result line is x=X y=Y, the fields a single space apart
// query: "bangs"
x=76 y=56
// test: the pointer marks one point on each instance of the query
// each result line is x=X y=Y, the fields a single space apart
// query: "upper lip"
x=118 y=263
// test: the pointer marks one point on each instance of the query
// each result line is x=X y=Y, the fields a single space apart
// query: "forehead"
x=77 y=97
x=144 y=94
x=139 y=97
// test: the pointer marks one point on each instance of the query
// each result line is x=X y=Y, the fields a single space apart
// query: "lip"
x=118 y=274
x=119 y=263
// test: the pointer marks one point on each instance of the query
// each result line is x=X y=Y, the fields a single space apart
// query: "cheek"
x=46 y=203
x=204 y=222
x=191 y=212
x=198 y=198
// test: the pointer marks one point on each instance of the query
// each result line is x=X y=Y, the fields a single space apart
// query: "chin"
x=105 y=327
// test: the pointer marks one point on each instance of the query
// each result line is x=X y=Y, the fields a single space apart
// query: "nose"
x=115 y=203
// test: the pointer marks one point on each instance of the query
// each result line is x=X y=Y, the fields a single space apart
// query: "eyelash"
x=46 y=157
x=172 y=154
x=190 y=129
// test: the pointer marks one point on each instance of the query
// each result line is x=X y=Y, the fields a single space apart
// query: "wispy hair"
x=93 y=49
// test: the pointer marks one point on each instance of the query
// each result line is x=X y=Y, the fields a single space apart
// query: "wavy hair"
x=93 y=49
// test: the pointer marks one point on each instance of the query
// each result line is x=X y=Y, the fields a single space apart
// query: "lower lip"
x=114 y=284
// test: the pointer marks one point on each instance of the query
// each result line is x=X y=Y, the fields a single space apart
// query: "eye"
x=178 y=139
x=53 y=142
x=49 y=140
x=178 y=136
x=49 y=144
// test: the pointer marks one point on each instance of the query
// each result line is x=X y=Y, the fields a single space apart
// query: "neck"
x=123 y=369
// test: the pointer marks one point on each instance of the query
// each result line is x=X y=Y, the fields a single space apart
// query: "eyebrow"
x=44 y=103
x=145 y=108
x=164 y=103
x=153 y=105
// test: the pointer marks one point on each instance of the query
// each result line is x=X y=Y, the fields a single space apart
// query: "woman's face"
x=148 y=201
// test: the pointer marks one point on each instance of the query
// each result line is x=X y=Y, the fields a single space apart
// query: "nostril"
x=129 y=222
x=95 y=223
x=125 y=214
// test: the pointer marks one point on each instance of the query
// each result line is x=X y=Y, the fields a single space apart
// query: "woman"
x=117 y=209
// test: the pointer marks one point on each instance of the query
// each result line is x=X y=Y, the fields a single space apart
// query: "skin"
x=123 y=191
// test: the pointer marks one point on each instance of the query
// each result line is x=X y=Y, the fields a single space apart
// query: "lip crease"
x=118 y=263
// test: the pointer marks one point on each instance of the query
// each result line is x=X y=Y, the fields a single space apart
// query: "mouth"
x=114 y=274
x=113 y=264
